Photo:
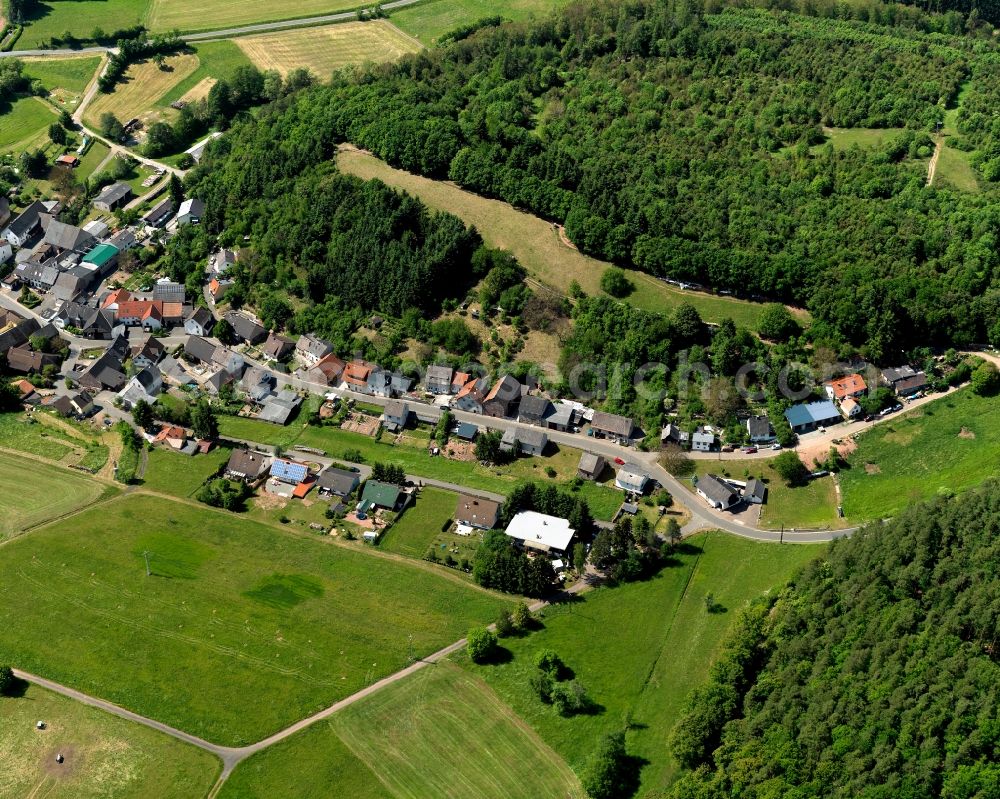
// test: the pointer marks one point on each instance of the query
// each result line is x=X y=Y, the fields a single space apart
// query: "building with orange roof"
x=115 y=297
x=844 y=387
x=148 y=313
x=356 y=375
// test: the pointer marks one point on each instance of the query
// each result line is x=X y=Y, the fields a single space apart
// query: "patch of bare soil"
x=460 y=450
x=266 y=501
x=873 y=468
x=965 y=432
x=61 y=770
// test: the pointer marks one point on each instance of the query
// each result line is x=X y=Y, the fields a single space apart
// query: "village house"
x=88 y=322
x=524 y=441
x=703 y=440
x=145 y=385
x=337 y=482
x=904 y=380
x=159 y=214
x=288 y=471
x=190 y=212
x=172 y=436
x=166 y=290
x=560 y=417
x=543 y=533
x=716 y=492
x=113 y=197
x=395 y=415
x=476 y=512
x=65 y=238
x=384 y=496
x=278 y=347
x=218 y=288
x=222 y=261
x=200 y=322
x=755 y=491
x=843 y=387
x=247 y=465
x=850 y=408
x=211 y=354
x=147 y=313
x=258 y=383
x=631 y=477
x=25 y=225
x=245 y=328
x=808 y=416
x=590 y=467
x=356 y=375
x=610 y=425
x=25 y=360
x=147 y=351
x=437 y=379
x=504 y=398
x=760 y=430
x=388 y=384
x=78 y=405
x=106 y=373
x=671 y=434
x=311 y=349
x=460 y=380
x=534 y=409
x=328 y=370
x=280 y=408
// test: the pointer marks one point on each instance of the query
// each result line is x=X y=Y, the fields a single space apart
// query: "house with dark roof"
x=91 y=322
x=25 y=360
x=200 y=322
x=503 y=399
x=279 y=409
x=904 y=380
x=190 y=212
x=123 y=240
x=258 y=383
x=437 y=379
x=146 y=351
x=222 y=261
x=66 y=238
x=145 y=385
x=395 y=415
x=483 y=514
x=73 y=283
x=311 y=349
x=613 y=426
x=247 y=465
x=590 y=467
x=467 y=431
x=336 y=482
x=106 y=372
x=524 y=441
x=160 y=213
x=760 y=430
x=278 y=347
x=245 y=328
x=383 y=383
x=755 y=492
x=716 y=492
x=40 y=276
x=631 y=477
x=25 y=225
x=168 y=291
x=113 y=196
x=534 y=409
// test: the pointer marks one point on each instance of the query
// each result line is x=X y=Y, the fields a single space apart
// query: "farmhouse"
x=337 y=482
x=395 y=415
x=534 y=409
x=717 y=493
x=849 y=386
x=311 y=349
x=482 y=514
x=247 y=465
x=525 y=441
x=631 y=477
x=385 y=496
x=541 y=532
x=808 y=416
x=66 y=238
x=113 y=196
x=760 y=430
x=437 y=379
x=590 y=466
x=106 y=372
x=755 y=491
x=25 y=224
x=610 y=425
x=503 y=399
x=561 y=417
x=199 y=322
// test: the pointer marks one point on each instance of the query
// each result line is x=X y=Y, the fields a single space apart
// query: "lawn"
x=216 y=61
x=845 y=138
x=65 y=78
x=26 y=120
x=47 y=492
x=105 y=756
x=139 y=93
x=809 y=506
x=428 y=21
x=538 y=247
x=190 y=15
x=55 y=439
x=945 y=446
x=640 y=648
x=452 y=737
x=241 y=629
x=323 y=50
x=95 y=154
x=305 y=766
x=954 y=169
x=181 y=475
x=53 y=18
x=421 y=523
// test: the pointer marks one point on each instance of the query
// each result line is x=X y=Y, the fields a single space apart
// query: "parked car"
x=776 y=445
x=729 y=448
x=619 y=461
x=750 y=450
x=897 y=407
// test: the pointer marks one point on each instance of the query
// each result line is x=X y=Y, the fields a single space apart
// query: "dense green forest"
x=876 y=675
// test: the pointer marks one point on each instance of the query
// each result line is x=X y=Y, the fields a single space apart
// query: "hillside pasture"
x=65 y=78
x=139 y=93
x=105 y=756
x=323 y=50
x=216 y=61
x=53 y=18
x=239 y=630
x=25 y=124
x=428 y=21
x=190 y=15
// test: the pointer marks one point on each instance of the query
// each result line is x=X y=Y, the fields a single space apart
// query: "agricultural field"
x=537 y=245
x=305 y=766
x=810 y=506
x=323 y=50
x=451 y=737
x=954 y=170
x=105 y=756
x=239 y=630
x=429 y=21
x=657 y=640
x=53 y=19
x=190 y=16
x=139 y=93
x=51 y=491
x=216 y=61
x=52 y=438
x=421 y=523
x=181 y=475
x=944 y=446
x=66 y=79
x=25 y=124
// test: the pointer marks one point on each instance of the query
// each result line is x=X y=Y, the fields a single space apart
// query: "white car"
x=776 y=446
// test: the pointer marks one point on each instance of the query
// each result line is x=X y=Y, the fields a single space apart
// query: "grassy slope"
x=138 y=95
x=421 y=523
x=50 y=492
x=181 y=475
x=538 y=247
x=215 y=60
x=65 y=78
x=427 y=21
x=323 y=50
x=105 y=756
x=241 y=629
x=922 y=452
x=56 y=17
x=192 y=15
x=451 y=737
x=24 y=124
x=654 y=643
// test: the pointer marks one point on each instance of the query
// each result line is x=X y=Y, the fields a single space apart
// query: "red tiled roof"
x=139 y=309
x=357 y=373
x=846 y=386
x=117 y=296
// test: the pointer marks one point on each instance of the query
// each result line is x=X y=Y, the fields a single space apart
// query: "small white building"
x=631 y=477
x=703 y=440
x=541 y=532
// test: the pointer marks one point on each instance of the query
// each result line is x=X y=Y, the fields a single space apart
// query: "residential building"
x=852 y=385
x=25 y=225
x=385 y=496
x=808 y=416
x=24 y=360
x=190 y=212
x=106 y=373
x=145 y=385
x=337 y=482
x=217 y=289
x=524 y=441
x=591 y=466
x=147 y=351
x=288 y=471
x=247 y=465
x=472 y=395
x=311 y=349
x=258 y=383
x=755 y=491
x=123 y=240
x=395 y=415
x=40 y=276
x=173 y=436
x=850 y=408
x=113 y=197
x=760 y=430
x=541 y=532
x=97 y=228
x=90 y=322
x=211 y=354
x=534 y=409
x=560 y=418
x=279 y=409
x=482 y=514
x=610 y=425
x=166 y=290
x=328 y=370
x=460 y=380
x=631 y=477
x=159 y=214
x=437 y=379
x=504 y=398
x=467 y=431
x=147 y=313
x=703 y=440
x=716 y=492
x=356 y=375
x=222 y=261
x=904 y=380
x=278 y=347
x=4 y=211
x=73 y=283
x=200 y=322
x=245 y=328
x=671 y=434
x=65 y=238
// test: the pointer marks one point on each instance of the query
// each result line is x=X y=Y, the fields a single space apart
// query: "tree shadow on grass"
x=17 y=689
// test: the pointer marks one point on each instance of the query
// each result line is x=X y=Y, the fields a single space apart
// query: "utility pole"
x=782 y=539
x=145 y=554
x=409 y=648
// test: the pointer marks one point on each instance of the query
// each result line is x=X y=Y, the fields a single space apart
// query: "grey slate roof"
x=66 y=237
x=114 y=193
x=717 y=490
x=612 y=423
x=27 y=219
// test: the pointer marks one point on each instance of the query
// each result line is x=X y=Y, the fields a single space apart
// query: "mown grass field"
x=66 y=79
x=421 y=523
x=945 y=446
x=139 y=93
x=240 y=630
x=105 y=756
x=181 y=475
x=95 y=154
x=190 y=15
x=52 y=438
x=216 y=61
x=53 y=18
x=309 y=765
x=537 y=245
x=451 y=737
x=810 y=506
x=655 y=642
x=33 y=492
x=428 y=21
x=954 y=170
x=845 y=138
x=24 y=124
x=323 y=50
